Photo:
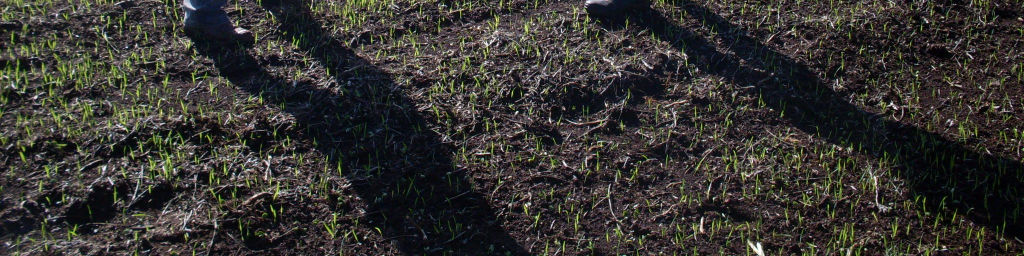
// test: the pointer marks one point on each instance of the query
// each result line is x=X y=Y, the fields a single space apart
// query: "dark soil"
x=520 y=127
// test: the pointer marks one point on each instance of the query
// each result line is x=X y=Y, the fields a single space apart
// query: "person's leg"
x=208 y=19
x=612 y=7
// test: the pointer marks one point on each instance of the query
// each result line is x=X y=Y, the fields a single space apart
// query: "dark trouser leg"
x=205 y=12
x=207 y=18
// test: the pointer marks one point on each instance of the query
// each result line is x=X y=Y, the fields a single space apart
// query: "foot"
x=611 y=7
x=223 y=32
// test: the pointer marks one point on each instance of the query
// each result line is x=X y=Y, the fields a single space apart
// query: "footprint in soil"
x=98 y=206
x=15 y=220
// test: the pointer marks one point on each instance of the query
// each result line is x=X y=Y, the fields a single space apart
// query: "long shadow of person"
x=364 y=123
x=982 y=186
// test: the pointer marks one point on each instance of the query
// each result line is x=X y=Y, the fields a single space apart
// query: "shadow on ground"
x=984 y=187
x=362 y=120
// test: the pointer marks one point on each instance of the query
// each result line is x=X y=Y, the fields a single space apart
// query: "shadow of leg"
x=984 y=187
x=376 y=136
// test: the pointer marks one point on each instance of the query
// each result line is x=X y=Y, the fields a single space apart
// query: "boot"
x=224 y=33
x=612 y=7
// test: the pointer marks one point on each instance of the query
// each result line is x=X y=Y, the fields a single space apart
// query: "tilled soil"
x=514 y=127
